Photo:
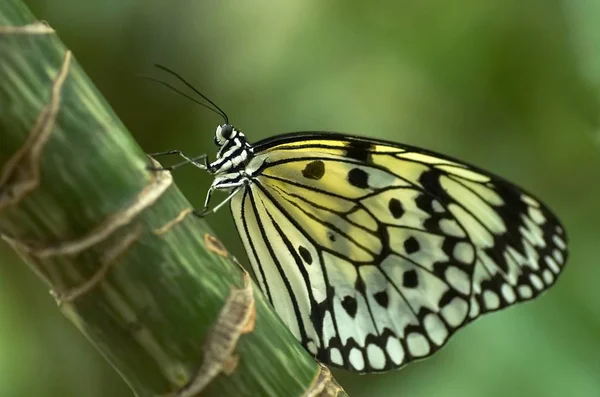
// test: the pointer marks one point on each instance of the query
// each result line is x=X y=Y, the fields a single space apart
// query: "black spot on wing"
x=430 y=180
x=350 y=306
x=410 y=279
x=411 y=245
x=305 y=255
x=396 y=208
x=510 y=212
x=314 y=170
x=382 y=298
x=360 y=286
x=358 y=178
x=359 y=150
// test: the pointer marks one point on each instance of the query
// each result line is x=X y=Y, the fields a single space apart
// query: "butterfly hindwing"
x=374 y=253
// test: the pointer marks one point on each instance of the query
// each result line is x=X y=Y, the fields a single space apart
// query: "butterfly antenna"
x=185 y=95
x=184 y=81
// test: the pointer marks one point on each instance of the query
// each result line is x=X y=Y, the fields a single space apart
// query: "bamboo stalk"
x=146 y=282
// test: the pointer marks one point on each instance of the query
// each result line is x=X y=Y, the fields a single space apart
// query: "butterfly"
x=375 y=253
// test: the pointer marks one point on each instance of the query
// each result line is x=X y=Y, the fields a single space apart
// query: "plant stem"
x=143 y=279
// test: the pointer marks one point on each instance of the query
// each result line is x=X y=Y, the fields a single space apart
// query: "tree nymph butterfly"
x=374 y=253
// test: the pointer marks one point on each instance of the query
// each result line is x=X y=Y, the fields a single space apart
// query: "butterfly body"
x=374 y=253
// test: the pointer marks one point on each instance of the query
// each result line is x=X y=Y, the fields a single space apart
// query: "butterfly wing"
x=375 y=253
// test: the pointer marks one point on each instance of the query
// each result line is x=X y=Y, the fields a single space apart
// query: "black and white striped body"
x=235 y=150
x=234 y=153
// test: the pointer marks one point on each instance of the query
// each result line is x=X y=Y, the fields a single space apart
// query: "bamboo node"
x=37 y=27
x=173 y=222
x=107 y=261
x=21 y=173
x=157 y=185
x=324 y=385
x=237 y=317
x=214 y=245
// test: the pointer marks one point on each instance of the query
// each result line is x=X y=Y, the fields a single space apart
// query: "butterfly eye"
x=226 y=131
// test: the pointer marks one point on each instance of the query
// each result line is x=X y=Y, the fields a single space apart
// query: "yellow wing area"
x=374 y=253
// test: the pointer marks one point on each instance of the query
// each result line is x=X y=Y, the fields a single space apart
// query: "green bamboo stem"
x=147 y=283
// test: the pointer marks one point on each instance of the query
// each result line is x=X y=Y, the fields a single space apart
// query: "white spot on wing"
x=418 y=346
x=491 y=299
x=559 y=230
x=464 y=252
x=376 y=356
x=548 y=277
x=525 y=291
x=560 y=243
x=552 y=264
x=536 y=282
x=474 y=309
x=336 y=356
x=395 y=350
x=437 y=206
x=508 y=293
x=529 y=201
x=536 y=215
x=436 y=329
x=356 y=359
x=558 y=256
x=458 y=279
x=451 y=228
x=455 y=312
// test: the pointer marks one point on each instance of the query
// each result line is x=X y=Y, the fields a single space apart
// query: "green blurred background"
x=510 y=85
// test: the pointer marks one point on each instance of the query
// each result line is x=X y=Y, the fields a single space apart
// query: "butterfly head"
x=234 y=149
x=224 y=133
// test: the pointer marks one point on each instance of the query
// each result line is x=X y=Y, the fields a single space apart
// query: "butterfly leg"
x=207 y=199
x=206 y=211
x=198 y=161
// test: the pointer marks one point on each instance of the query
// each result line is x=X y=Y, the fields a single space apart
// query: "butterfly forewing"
x=375 y=253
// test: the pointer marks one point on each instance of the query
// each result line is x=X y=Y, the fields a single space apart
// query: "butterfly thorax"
x=234 y=153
